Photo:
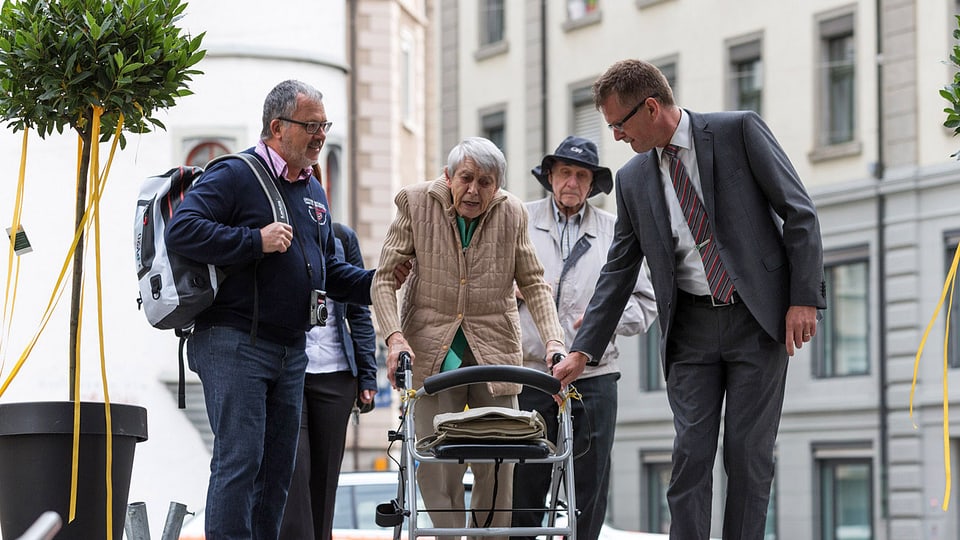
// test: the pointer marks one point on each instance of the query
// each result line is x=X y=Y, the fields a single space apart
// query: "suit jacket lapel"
x=703 y=142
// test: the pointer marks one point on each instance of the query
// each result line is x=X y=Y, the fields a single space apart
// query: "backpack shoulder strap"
x=269 y=187
x=277 y=205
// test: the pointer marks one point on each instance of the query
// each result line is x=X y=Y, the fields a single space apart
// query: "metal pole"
x=137 y=526
x=175 y=515
x=44 y=528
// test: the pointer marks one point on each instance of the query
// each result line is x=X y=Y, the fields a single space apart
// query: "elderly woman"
x=469 y=239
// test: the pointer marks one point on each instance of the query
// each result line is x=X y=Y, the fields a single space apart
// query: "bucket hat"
x=576 y=151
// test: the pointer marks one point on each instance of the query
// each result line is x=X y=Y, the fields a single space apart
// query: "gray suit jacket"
x=765 y=226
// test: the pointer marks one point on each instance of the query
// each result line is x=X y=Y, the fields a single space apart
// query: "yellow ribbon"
x=13 y=270
x=91 y=214
x=948 y=290
x=569 y=394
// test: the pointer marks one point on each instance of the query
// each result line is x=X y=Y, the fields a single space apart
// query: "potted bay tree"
x=98 y=68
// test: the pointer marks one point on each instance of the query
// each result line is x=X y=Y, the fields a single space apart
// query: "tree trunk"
x=77 y=285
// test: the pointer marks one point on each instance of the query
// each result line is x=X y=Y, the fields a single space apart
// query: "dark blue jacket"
x=360 y=341
x=219 y=223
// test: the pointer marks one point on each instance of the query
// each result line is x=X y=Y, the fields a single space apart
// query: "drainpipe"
x=349 y=179
x=878 y=174
x=544 y=110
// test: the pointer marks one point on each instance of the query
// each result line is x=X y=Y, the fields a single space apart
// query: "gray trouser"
x=720 y=357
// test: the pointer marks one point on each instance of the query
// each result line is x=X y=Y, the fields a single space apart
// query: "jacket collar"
x=544 y=219
x=440 y=191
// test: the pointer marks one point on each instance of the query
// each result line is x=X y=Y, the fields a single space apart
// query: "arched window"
x=205 y=150
x=333 y=183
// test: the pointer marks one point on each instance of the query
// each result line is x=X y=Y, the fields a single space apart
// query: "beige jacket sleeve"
x=397 y=248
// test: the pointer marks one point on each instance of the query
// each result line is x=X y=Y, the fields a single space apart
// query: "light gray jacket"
x=573 y=286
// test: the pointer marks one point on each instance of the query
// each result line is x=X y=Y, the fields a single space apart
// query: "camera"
x=318 y=308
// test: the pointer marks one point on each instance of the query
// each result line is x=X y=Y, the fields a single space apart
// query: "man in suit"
x=733 y=243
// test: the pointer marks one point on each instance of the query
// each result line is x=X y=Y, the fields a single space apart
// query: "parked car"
x=358 y=495
x=354 y=518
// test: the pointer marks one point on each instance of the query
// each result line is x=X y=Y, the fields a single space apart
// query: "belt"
x=706 y=300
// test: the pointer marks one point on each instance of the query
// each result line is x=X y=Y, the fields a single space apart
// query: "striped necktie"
x=721 y=286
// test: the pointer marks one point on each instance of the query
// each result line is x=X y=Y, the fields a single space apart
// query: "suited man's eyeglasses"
x=310 y=127
x=618 y=126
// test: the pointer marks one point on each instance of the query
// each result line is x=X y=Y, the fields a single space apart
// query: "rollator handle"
x=556 y=359
x=404 y=366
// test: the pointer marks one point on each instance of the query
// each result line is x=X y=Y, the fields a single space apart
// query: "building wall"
x=394 y=132
x=888 y=196
x=245 y=59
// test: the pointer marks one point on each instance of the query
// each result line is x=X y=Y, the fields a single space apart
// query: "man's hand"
x=578 y=323
x=401 y=271
x=396 y=344
x=570 y=368
x=366 y=396
x=276 y=237
x=801 y=326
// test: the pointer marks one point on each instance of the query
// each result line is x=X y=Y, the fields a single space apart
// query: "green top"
x=459 y=346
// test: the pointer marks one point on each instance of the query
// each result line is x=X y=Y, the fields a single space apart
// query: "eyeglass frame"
x=321 y=126
x=618 y=126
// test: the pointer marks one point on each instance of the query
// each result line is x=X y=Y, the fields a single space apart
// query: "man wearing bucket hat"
x=571 y=238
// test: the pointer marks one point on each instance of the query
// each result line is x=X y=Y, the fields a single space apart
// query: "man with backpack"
x=248 y=347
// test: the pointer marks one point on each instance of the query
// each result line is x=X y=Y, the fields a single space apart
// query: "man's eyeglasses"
x=310 y=127
x=618 y=126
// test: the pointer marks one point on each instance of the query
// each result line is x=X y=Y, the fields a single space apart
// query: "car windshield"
x=356 y=506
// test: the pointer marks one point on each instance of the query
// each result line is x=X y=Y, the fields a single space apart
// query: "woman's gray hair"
x=282 y=101
x=484 y=153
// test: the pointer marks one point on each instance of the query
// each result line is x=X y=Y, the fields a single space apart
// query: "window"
x=846 y=510
x=406 y=78
x=491 y=22
x=841 y=345
x=652 y=367
x=953 y=343
x=332 y=182
x=587 y=122
x=493 y=126
x=668 y=66
x=837 y=63
x=656 y=471
x=581 y=13
x=746 y=76
x=770 y=528
x=202 y=151
x=578 y=9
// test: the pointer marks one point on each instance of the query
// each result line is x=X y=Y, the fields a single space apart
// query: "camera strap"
x=323 y=259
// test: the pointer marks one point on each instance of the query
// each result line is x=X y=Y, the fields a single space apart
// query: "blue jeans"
x=253 y=394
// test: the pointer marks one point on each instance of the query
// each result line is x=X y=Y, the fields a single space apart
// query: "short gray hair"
x=484 y=153
x=282 y=101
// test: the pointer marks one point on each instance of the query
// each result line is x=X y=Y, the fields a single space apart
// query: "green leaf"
x=95 y=31
x=131 y=67
x=57 y=58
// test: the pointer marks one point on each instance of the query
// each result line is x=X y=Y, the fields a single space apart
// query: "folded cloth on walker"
x=485 y=424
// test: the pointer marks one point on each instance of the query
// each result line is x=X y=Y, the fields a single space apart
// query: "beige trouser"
x=441 y=484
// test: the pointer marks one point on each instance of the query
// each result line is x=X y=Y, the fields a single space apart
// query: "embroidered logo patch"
x=319 y=211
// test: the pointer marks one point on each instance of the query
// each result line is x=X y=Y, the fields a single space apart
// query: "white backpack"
x=173 y=288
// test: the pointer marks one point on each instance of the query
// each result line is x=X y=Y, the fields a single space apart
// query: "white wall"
x=251 y=48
